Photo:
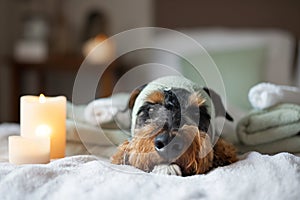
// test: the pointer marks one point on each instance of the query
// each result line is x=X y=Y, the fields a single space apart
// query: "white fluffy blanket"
x=255 y=176
x=85 y=177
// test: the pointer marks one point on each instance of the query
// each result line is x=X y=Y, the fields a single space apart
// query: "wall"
x=230 y=13
x=121 y=15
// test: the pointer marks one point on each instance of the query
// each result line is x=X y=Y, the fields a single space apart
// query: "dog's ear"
x=134 y=95
x=219 y=107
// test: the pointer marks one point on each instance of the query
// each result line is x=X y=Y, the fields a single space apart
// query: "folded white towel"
x=83 y=138
x=76 y=112
x=82 y=132
x=104 y=110
x=265 y=95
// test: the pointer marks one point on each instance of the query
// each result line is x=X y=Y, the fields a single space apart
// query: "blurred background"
x=43 y=43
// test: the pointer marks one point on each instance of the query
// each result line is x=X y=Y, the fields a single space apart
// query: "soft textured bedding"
x=84 y=177
x=255 y=176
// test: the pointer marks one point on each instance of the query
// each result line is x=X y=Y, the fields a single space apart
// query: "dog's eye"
x=145 y=110
x=144 y=114
x=141 y=113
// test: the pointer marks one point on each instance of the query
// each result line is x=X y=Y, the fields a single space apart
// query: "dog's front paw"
x=172 y=169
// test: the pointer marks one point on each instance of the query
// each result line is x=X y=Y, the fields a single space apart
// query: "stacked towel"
x=107 y=110
x=265 y=95
x=274 y=124
x=98 y=126
x=274 y=129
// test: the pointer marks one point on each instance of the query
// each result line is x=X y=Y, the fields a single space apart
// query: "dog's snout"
x=168 y=146
x=161 y=140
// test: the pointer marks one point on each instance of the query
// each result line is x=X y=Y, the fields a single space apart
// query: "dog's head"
x=171 y=126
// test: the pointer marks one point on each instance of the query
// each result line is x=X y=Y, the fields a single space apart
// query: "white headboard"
x=280 y=47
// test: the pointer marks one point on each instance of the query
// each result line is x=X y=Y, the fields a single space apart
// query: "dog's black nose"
x=168 y=146
x=162 y=140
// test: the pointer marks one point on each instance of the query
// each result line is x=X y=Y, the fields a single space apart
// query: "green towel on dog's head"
x=269 y=125
x=167 y=83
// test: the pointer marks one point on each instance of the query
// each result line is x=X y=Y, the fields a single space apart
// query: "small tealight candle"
x=45 y=115
x=29 y=150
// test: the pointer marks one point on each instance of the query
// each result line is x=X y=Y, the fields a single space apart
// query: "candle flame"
x=42 y=98
x=43 y=130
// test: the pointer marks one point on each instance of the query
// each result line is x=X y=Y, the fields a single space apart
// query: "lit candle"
x=29 y=150
x=45 y=116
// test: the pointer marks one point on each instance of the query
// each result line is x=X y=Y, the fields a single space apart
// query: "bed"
x=255 y=176
x=83 y=176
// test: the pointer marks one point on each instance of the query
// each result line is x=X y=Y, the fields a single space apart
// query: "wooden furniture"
x=52 y=63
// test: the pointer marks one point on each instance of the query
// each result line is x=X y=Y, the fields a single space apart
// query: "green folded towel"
x=291 y=145
x=269 y=125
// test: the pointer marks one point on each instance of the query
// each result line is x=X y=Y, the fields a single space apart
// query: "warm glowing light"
x=42 y=98
x=99 y=50
x=100 y=38
x=43 y=130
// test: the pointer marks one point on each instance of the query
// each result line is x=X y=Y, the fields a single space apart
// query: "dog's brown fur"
x=155 y=97
x=199 y=157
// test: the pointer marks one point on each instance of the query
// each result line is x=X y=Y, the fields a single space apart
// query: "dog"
x=172 y=125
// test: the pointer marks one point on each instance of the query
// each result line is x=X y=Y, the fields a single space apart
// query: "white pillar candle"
x=45 y=115
x=29 y=150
